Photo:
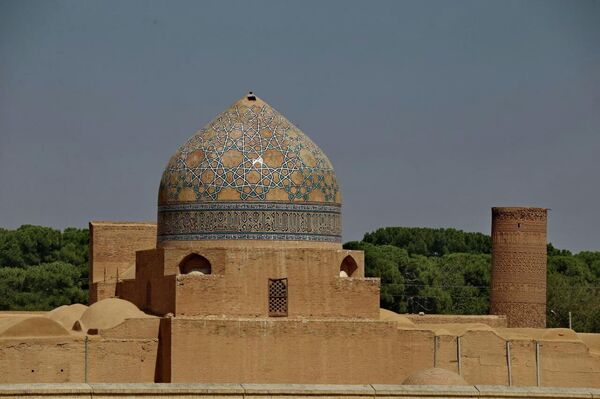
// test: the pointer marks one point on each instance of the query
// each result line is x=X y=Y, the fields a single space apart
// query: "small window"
x=348 y=267
x=278 y=295
x=194 y=263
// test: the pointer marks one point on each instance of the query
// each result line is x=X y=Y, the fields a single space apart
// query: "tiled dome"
x=249 y=174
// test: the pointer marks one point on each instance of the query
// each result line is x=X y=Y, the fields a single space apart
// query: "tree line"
x=448 y=271
x=42 y=268
x=421 y=269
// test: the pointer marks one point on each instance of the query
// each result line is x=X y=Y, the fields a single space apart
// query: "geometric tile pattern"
x=249 y=174
x=249 y=152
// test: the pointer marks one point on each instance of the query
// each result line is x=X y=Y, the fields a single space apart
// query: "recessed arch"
x=194 y=263
x=348 y=267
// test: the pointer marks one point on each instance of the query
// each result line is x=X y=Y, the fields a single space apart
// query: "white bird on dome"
x=258 y=160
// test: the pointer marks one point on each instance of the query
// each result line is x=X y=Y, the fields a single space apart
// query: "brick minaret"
x=518 y=287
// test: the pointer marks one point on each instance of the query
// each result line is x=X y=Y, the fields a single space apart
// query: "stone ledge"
x=289 y=391
x=308 y=390
x=446 y=391
x=34 y=391
x=502 y=391
x=167 y=389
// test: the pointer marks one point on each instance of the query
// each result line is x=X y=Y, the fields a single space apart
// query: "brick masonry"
x=518 y=288
x=112 y=253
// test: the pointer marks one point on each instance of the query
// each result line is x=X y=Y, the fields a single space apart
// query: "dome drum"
x=249 y=221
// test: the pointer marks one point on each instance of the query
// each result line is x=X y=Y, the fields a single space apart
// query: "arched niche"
x=194 y=263
x=348 y=267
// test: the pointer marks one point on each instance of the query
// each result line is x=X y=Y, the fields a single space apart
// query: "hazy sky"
x=431 y=111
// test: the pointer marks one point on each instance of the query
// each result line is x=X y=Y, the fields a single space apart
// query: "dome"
x=435 y=376
x=249 y=174
x=67 y=315
x=108 y=313
x=30 y=327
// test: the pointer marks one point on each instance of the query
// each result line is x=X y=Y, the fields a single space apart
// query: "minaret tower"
x=518 y=287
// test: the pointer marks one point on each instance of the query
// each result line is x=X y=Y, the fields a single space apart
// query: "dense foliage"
x=431 y=242
x=448 y=271
x=42 y=268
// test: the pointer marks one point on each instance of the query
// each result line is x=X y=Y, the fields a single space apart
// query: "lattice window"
x=278 y=294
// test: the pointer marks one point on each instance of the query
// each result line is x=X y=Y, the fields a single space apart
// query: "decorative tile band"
x=247 y=221
x=250 y=206
x=248 y=236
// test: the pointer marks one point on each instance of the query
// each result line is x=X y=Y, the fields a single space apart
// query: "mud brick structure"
x=112 y=254
x=243 y=280
x=519 y=265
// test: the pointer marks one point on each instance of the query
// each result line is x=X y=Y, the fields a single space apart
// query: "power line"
x=594 y=287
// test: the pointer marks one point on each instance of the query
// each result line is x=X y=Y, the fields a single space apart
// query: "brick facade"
x=518 y=288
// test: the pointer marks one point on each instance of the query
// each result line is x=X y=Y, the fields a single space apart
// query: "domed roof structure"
x=249 y=174
x=108 y=313
x=67 y=315
x=30 y=327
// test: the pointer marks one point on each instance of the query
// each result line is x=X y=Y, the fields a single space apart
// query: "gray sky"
x=431 y=111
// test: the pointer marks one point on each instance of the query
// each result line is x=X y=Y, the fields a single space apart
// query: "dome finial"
x=251 y=96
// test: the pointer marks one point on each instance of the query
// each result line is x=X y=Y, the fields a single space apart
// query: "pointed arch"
x=348 y=267
x=195 y=263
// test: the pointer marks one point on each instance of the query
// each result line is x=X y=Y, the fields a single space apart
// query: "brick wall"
x=126 y=353
x=238 y=284
x=112 y=252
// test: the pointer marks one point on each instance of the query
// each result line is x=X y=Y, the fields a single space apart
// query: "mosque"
x=243 y=279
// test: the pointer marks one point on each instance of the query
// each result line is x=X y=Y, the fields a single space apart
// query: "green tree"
x=29 y=245
x=448 y=271
x=41 y=268
x=430 y=242
x=40 y=287
x=592 y=259
x=383 y=262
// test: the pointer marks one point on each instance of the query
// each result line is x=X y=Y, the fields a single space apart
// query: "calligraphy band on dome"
x=260 y=221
